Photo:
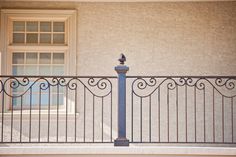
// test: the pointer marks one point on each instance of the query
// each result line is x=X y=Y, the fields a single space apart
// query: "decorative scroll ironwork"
x=153 y=83
x=72 y=101
x=203 y=108
x=103 y=85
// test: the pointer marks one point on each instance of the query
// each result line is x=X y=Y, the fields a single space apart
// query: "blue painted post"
x=121 y=71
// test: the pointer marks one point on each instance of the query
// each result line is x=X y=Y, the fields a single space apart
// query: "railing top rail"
x=129 y=76
x=174 y=76
x=54 y=76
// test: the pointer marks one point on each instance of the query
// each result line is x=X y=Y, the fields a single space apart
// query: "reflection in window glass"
x=31 y=58
x=32 y=26
x=44 y=58
x=45 y=38
x=30 y=70
x=58 y=101
x=58 y=38
x=58 y=58
x=32 y=38
x=18 y=58
x=17 y=70
x=34 y=99
x=44 y=70
x=58 y=26
x=18 y=37
x=57 y=70
x=18 y=26
x=45 y=26
x=40 y=32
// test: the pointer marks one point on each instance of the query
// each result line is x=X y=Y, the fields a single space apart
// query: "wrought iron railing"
x=182 y=109
x=150 y=109
x=49 y=109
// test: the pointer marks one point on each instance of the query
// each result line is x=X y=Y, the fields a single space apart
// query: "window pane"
x=58 y=58
x=18 y=70
x=32 y=26
x=58 y=38
x=44 y=70
x=30 y=70
x=18 y=58
x=35 y=86
x=18 y=26
x=16 y=101
x=31 y=58
x=58 y=70
x=58 y=101
x=32 y=38
x=45 y=38
x=18 y=37
x=58 y=26
x=55 y=90
x=44 y=99
x=45 y=58
x=45 y=26
x=32 y=100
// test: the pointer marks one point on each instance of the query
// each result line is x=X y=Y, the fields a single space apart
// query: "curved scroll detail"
x=227 y=83
x=144 y=87
x=102 y=86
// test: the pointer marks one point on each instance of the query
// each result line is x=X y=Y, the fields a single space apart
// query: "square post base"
x=121 y=142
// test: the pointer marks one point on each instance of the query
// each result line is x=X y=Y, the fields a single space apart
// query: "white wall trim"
x=12 y=14
x=111 y=150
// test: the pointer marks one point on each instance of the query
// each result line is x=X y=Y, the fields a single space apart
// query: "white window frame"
x=9 y=15
x=7 y=48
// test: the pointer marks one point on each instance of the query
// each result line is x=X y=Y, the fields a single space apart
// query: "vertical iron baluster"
x=232 y=118
x=93 y=117
x=49 y=108
x=132 y=116
x=159 y=112
x=213 y=107
x=168 y=117
x=66 y=109
x=102 y=119
x=223 y=125
x=21 y=103
x=57 y=110
x=84 y=111
x=30 y=119
x=177 y=112
x=204 y=114
x=111 y=114
x=195 y=115
x=39 y=114
x=186 y=113
x=141 y=119
x=2 y=113
x=150 y=119
x=75 y=115
x=12 y=101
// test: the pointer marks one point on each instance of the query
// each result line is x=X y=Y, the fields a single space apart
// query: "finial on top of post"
x=122 y=59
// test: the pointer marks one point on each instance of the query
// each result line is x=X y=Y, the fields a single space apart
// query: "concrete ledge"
x=111 y=150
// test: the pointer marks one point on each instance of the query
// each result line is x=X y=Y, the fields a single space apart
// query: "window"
x=38 y=32
x=38 y=63
x=38 y=42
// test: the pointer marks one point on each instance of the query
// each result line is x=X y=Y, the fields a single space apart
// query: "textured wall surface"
x=194 y=38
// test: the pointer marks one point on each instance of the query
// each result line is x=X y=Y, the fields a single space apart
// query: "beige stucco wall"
x=174 y=38
x=184 y=38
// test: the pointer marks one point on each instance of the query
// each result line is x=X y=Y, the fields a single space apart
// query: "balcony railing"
x=119 y=110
